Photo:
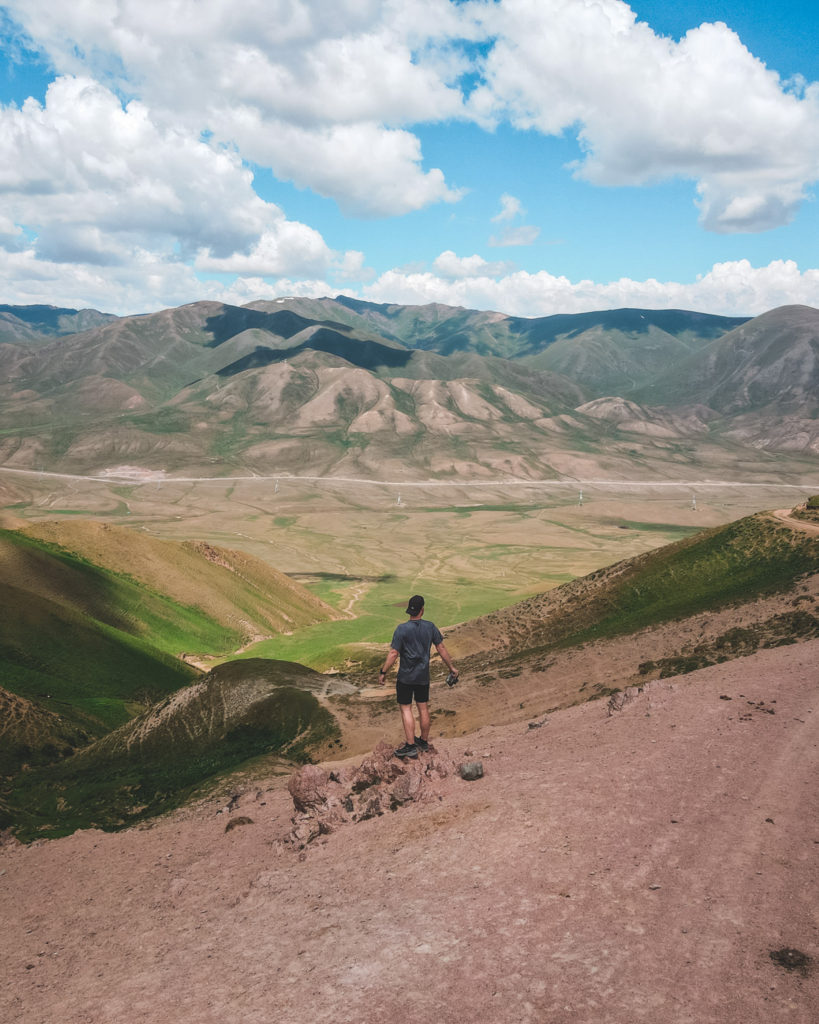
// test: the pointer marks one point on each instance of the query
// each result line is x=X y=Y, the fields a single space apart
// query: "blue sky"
x=531 y=156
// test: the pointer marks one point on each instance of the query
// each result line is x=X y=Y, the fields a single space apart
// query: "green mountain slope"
x=574 y=337
x=38 y=324
x=92 y=627
x=244 y=595
x=239 y=711
x=733 y=564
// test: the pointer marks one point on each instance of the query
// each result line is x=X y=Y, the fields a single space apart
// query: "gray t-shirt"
x=413 y=640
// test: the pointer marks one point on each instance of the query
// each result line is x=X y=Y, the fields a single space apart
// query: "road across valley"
x=134 y=475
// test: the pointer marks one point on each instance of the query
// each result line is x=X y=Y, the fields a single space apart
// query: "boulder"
x=308 y=787
x=324 y=800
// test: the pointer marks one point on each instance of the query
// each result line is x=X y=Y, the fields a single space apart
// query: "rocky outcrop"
x=325 y=799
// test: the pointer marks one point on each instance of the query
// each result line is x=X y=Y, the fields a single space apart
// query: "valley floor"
x=634 y=866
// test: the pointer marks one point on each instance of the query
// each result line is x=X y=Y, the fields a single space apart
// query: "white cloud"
x=12 y=236
x=101 y=184
x=369 y=170
x=150 y=283
x=647 y=108
x=453 y=268
x=351 y=267
x=523 y=234
x=146 y=284
x=120 y=204
x=511 y=207
x=520 y=234
x=291 y=248
x=731 y=289
x=326 y=94
x=319 y=92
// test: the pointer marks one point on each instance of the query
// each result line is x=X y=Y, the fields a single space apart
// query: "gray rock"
x=471 y=770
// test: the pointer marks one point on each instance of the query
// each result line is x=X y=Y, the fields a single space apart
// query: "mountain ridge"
x=263 y=387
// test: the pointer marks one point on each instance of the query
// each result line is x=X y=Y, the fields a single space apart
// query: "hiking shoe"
x=421 y=744
x=408 y=750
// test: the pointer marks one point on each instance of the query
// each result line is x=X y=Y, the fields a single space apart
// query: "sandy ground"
x=638 y=866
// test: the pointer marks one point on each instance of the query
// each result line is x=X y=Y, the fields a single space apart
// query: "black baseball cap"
x=416 y=603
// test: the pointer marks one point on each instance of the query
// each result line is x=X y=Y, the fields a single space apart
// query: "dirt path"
x=783 y=515
x=624 y=868
x=356 y=593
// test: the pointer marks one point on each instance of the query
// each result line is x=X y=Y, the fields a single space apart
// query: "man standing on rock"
x=412 y=642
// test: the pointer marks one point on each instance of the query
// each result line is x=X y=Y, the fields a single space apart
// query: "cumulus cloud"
x=99 y=183
x=647 y=108
x=326 y=95
x=351 y=267
x=520 y=234
x=320 y=93
x=289 y=248
x=731 y=289
x=150 y=283
x=131 y=182
x=453 y=268
x=146 y=284
x=369 y=170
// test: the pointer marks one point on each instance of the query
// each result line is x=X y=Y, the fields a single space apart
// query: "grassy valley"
x=99 y=747
x=571 y=495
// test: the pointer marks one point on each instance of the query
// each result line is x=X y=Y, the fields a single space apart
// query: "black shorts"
x=406 y=692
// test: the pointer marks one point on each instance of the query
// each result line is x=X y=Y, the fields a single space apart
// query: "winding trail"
x=783 y=515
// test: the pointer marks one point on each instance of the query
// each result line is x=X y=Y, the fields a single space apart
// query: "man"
x=412 y=642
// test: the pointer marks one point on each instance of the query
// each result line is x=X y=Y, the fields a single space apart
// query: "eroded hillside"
x=334 y=387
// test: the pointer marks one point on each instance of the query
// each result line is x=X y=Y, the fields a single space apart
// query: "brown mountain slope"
x=312 y=387
x=762 y=378
x=773 y=358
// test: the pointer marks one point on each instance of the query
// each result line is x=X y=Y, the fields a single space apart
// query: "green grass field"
x=329 y=644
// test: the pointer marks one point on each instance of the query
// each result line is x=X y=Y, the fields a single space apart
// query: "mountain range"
x=344 y=387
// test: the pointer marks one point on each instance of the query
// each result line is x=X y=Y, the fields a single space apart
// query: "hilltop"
x=648 y=864
x=646 y=816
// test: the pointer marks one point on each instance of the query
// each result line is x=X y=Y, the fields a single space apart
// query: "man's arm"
x=446 y=658
x=388 y=664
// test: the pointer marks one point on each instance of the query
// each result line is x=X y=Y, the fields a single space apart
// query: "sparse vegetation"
x=751 y=557
x=809 y=511
x=739 y=642
x=165 y=756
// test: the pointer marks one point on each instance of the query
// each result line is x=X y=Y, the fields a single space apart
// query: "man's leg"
x=423 y=721
x=409 y=722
